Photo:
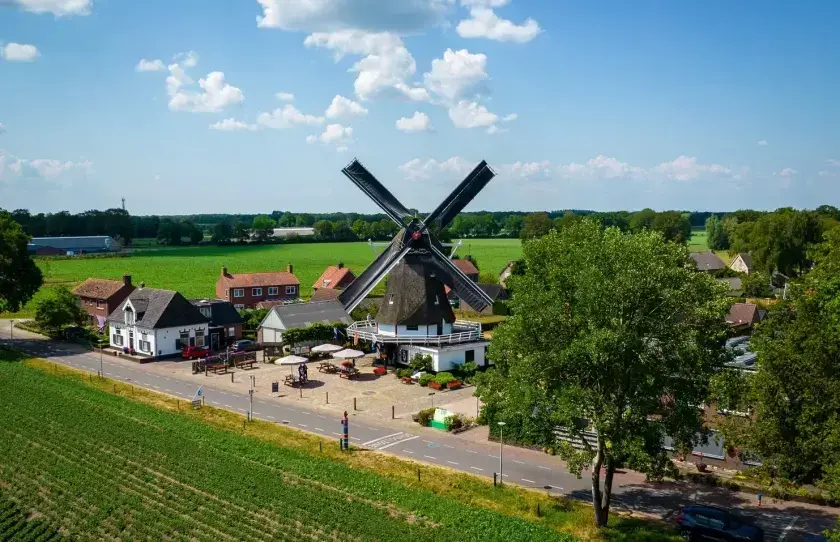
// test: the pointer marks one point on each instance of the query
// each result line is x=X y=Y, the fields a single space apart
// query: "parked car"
x=195 y=352
x=245 y=345
x=74 y=332
x=711 y=523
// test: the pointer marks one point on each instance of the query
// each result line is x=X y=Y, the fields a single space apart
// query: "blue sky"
x=603 y=105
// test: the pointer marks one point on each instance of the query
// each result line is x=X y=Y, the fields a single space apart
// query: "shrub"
x=424 y=417
x=444 y=378
x=467 y=370
x=425 y=379
x=421 y=362
x=401 y=373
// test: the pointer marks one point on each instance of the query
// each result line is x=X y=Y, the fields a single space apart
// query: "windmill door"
x=440 y=329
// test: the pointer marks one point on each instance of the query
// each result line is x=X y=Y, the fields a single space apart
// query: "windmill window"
x=390 y=299
x=412 y=328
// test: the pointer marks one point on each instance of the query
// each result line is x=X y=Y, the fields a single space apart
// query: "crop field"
x=93 y=465
x=193 y=271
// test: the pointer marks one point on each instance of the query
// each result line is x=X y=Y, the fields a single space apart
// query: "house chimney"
x=224 y=271
x=289 y=268
x=127 y=280
x=341 y=265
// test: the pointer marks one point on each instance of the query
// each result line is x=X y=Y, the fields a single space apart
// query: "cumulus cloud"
x=419 y=122
x=155 y=65
x=371 y=15
x=762 y=143
x=215 y=94
x=13 y=167
x=334 y=134
x=456 y=73
x=285 y=96
x=58 y=8
x=19 y=52
x=426 y=169
x=385 y=64
x=484 y=23
x=787 y=173
x=188 y=59
x=344 y=107
x=2 y=128
x=287 y=117
x=232 y=125
x=685 y=168
x=466 y=114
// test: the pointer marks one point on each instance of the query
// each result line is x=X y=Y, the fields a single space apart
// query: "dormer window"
x=129 y=315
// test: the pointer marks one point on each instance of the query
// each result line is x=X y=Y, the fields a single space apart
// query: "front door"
x=214 y=340
x=131 y=339
x=440 y=329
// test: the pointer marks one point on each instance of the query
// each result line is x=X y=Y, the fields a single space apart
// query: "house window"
x=412 y=328
x=239 y=307
x=238 y=292
x=117 y=339
x=231 y=332
x=256 y=292
x=199 y=337
x=469 y=356
x=184 y=338
x=100 y=304
x=290 y=290
x=227 y=293
x=145 y=346
x=129 y=316
x=273 y=290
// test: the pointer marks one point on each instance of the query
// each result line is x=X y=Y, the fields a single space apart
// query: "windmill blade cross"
x=376 y=191
x=458 y=281
x=460 y=197
x=351 y=296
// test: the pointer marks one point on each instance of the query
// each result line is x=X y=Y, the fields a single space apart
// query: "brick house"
x=467 y=267
x=744 y=316
x=99 y=297
x=245 y=290
x=225 y=324
x=335 y=277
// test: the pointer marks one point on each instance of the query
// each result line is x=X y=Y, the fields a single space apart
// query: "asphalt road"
x=530 y=470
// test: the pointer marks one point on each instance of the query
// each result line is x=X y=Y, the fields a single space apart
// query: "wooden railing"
x=463 y=331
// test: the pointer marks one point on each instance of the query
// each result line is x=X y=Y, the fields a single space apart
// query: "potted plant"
x=454 y=385
x=701 y=466
x=379 y=370
x=434 y=384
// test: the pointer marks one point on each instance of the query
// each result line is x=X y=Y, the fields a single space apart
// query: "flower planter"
x=379 y=370
x=453 y=385
x=434 y=385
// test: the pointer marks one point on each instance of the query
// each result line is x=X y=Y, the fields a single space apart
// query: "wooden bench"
x=327 y=367
x=290 y=380
x=217 y=368
x=245 y=363
x=348 y=373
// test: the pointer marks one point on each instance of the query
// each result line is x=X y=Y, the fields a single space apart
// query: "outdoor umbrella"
x=348 y=353
x=290 y=360
x=326 y=348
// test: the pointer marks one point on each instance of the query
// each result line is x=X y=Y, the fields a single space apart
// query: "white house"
x=157 y=323
x=742 y=263
x=296 y=315
x=445 y=358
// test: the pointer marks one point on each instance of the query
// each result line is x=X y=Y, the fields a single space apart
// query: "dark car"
x=244 y=345
x=710 y=523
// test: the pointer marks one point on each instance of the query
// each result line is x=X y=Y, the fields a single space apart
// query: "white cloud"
x=510 y=118
x=484 y=23
x=492 y=130
x=333 y=133
x=56 y=7
x=215 y=94
x=12 y=167
x=472 y=115
x=827 y=173
x=285 y=96
x=431 y=168
x=232 y=125
x=344 y=107
x=419 y=122
x=330 y=15
x=286 y=117
x=2 y=128
x=787 y=173
x=685 y=168
x=342 y=148
x=187 y=60
x=485 y=3
x=19 y=52
x=762 y=143
x=385 y=62
x=833 y=162
x=601 y=167
x=455 y=73
x=155 y=65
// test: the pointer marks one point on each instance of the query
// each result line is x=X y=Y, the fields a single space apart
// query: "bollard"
x=243 y=424
x=328 y=397
x=340 y=443
x=301 y=391
x=392 y=412
x=231 y=377
x=115 y=389
x=494 y=479
x=418 y=475
x=205 y=370
x=90 y=377
x=320 y=446
x=202 y=400
x=354 y=403
x=538 y=510
x=179 y=405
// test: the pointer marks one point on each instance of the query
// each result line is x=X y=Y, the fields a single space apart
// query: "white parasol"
x=291 y=360
x=348 y=353
x=326 y=348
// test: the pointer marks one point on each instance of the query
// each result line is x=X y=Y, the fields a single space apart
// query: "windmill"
x=416 y=249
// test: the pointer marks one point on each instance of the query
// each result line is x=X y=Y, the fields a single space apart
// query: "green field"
x=193 y=271
x=697 y=243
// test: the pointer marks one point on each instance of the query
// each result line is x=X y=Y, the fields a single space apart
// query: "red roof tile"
x=334 y=275
x=98 y=288
x=244 y=280
x=742 y=313
x=465 y=266
x=325 y=294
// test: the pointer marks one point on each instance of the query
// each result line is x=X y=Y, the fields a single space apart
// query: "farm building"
x=70 y=246
x=225 y=323
x=742 y=263
x=467 y=267
x=297 y=315
x=99 y=297
x=743 y=316
x=245 y=290
x=292 y=232
x=707 y=261
x=334 y=277
x=157 y=323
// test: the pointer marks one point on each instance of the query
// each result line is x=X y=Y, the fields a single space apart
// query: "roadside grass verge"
x=446 y=503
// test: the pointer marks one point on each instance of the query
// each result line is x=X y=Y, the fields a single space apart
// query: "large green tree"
x=263 y=228
x=611 y=332
x=716 y=237
x=222 y=233
x=673 y=225
x=535 y=225
x=779 y=241
x=20 y=278
x=59 y=309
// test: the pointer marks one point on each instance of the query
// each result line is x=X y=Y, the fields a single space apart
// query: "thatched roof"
x=414 y=297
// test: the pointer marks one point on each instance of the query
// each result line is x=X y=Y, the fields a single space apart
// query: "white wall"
x=272 y=329
x=161 y=341
x=445 y=359
x=738 y=265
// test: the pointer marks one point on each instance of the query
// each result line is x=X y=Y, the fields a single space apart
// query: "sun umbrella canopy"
x=290 y=360
x=326 y=348
x=348 y=353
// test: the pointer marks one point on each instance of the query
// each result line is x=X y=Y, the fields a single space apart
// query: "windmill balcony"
x=463 y=331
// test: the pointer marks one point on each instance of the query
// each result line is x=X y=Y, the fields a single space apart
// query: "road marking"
x=337 y=434
x=398 y=442
x=322 y=417
x=155 y=387
x=472 y=452
x=448 y=446
x=493 y=456
x=271 y=417
x=452 y=463
x=302 y=425
x=543 y=468
x=529 y=481
x=428 y=442
x=166 y=389
x=408 y=452
x=228 y=406
x=515 y=461
x=368 y=443
x=241 y=410
x=257 y=413
x=166 y=378
x=319 y=429
x=430 y=457
x=355 y=438
x=109 y=374
x=785 y=532
x=148 y=374
x=476 y=468
x=215 y=403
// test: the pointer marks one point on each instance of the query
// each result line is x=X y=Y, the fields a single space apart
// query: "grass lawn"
x=100 y=460
x=697 y=243
x=193 y=271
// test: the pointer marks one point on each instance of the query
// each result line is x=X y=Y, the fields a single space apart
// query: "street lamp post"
x=101 y=362
x=501 y=448
x=11 y=330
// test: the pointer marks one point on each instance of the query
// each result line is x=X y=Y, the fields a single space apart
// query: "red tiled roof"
x=325 y=294
x=741 y=313
x=98 y=288
x=465 y=266
x=334 y=275
x=280 y=278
